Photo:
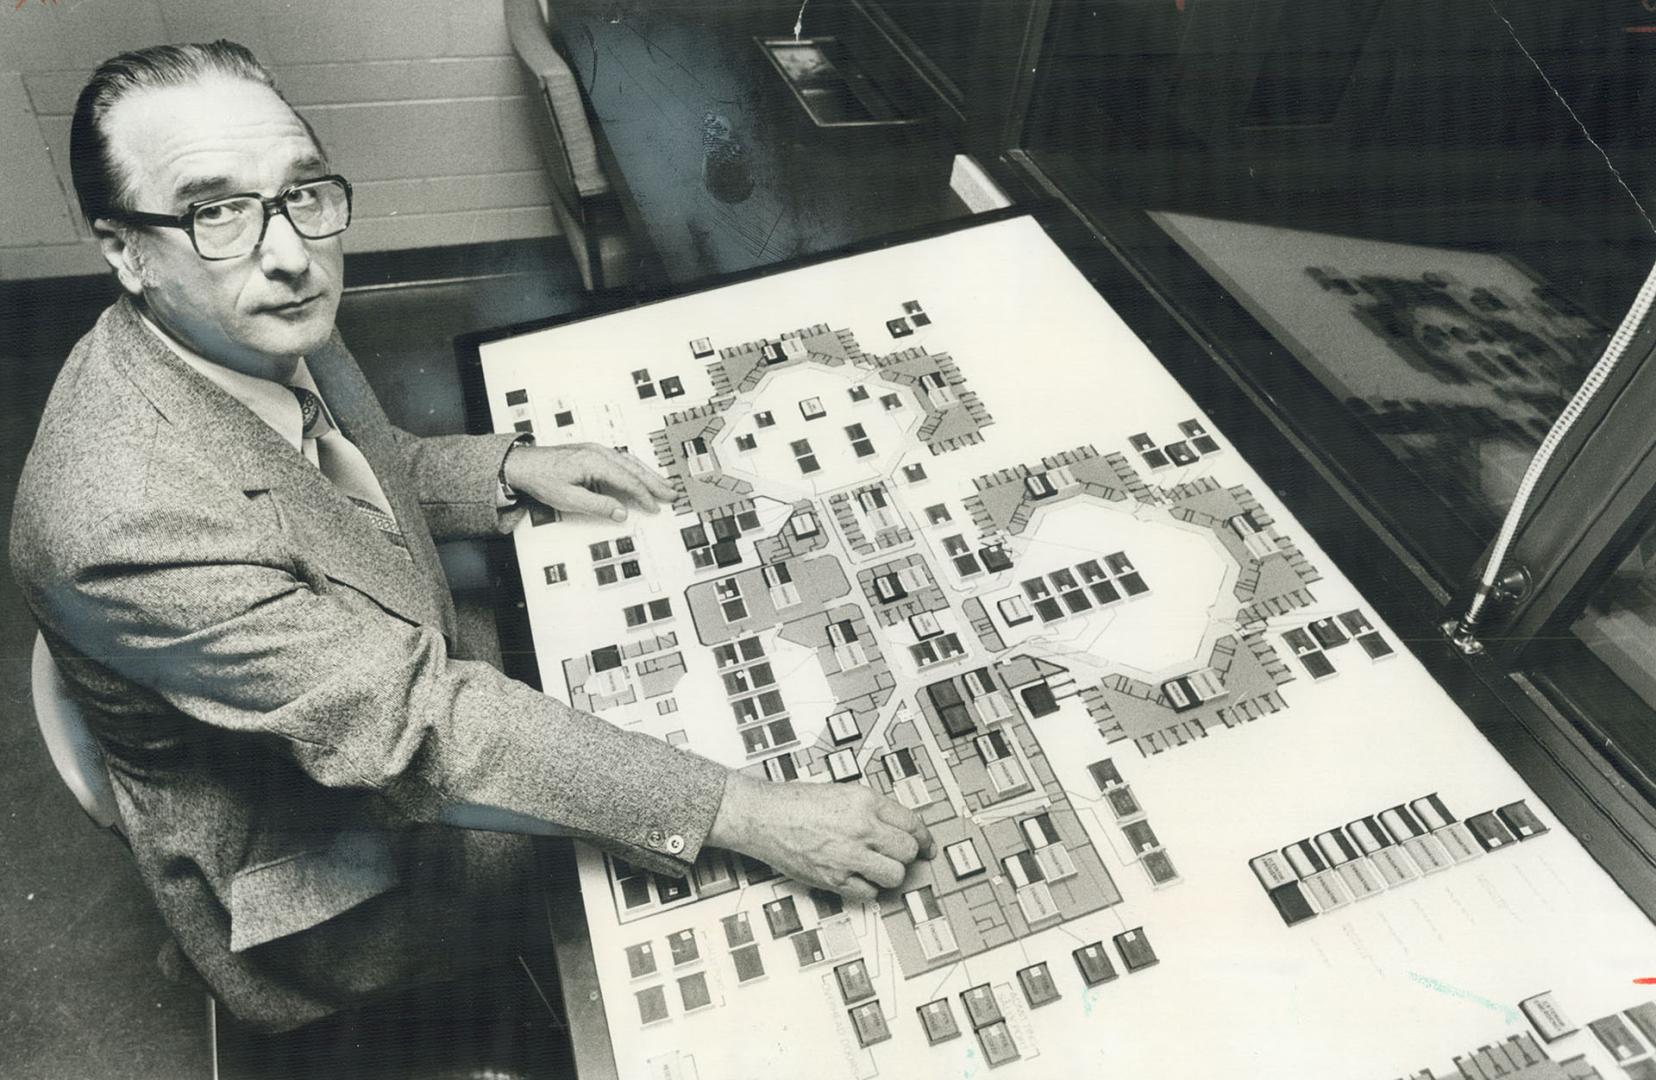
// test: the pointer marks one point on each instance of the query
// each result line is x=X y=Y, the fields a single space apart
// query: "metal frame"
x=1595 y=502
x=1602 y=710
x=1598 y=492
x=994 y=136
x=275 y=205
x=1007 y=35
x=769 y=45
x=895 y=43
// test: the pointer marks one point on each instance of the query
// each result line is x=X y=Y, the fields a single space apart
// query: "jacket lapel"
x=252 y=456
x=363 y=421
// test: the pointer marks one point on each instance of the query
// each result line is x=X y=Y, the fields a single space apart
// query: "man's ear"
x=115 y=243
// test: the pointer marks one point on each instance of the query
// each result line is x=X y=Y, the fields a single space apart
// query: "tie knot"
x=314 y=416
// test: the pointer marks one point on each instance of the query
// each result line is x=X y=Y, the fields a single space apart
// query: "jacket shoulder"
x=99 y=451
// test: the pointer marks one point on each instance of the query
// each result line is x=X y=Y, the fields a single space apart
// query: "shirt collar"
x=267 y=399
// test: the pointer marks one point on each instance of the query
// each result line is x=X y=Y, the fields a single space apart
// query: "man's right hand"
x=841 y=837
x=584 y=478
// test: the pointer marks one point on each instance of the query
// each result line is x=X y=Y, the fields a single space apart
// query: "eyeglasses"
x=231 y=226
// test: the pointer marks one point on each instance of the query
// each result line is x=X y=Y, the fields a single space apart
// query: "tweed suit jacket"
x=283 y=701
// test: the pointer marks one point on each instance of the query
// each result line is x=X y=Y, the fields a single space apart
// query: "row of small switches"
x=1381 y=851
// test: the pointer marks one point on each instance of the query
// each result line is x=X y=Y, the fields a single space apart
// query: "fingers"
x=610 y=469
x=578 y=500
x=901 y=817
x=626 y=475
x=587 y=478
x=845 y=838
x=895 y=844
x=655 y=485
x=880 y=870
x=858 y=890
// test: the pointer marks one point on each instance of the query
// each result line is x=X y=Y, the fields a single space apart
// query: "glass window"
x=1619 y=623
x=1394 y=196
x=1618 y=628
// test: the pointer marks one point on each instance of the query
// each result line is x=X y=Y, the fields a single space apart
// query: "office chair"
x=80 y=765
x=586 y=204
x=75 y=753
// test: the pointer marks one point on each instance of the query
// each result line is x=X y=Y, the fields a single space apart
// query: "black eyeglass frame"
x=276 y=204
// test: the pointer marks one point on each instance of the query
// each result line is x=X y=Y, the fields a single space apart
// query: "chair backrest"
x=80 y=762
x=70 y=741
x=570 y=152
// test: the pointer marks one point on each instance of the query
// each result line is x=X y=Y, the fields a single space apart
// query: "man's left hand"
x=585 y=478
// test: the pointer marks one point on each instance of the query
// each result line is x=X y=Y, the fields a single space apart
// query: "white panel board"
x=1184 y=699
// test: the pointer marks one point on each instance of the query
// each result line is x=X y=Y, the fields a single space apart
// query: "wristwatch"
x=507 y=495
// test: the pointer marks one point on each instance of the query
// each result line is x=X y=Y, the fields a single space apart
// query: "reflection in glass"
x=1458 y=361
x=1619 y=623
x=1394 y=192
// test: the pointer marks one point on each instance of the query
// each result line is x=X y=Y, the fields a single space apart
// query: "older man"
x=230 y=552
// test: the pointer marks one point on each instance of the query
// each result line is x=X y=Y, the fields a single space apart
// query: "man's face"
x=257 y=313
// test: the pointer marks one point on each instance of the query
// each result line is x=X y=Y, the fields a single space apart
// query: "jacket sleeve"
x=236 y=631
x=456 y=478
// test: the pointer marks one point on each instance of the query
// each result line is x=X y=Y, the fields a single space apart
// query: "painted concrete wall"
x=420 y=103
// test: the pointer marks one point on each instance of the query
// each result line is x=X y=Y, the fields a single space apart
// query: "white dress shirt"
x=272 y=402
x=275 y=404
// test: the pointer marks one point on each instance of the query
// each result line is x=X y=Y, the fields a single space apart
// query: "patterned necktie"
x=326 y=447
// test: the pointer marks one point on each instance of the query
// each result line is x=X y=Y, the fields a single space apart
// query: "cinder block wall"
x=420 y=103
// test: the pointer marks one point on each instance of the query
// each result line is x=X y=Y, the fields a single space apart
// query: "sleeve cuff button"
x=675 y=844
